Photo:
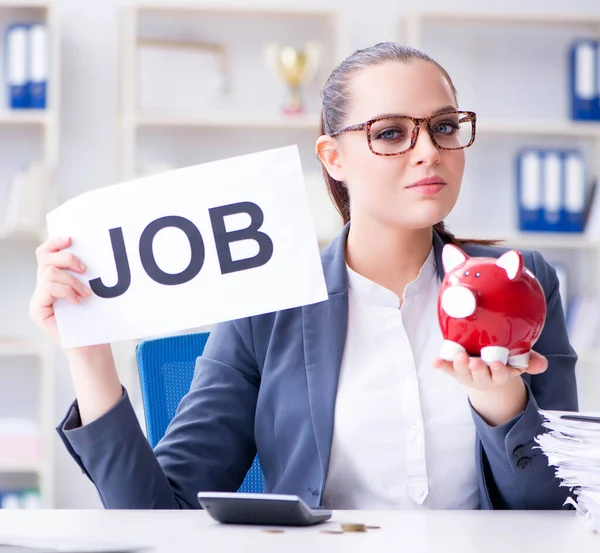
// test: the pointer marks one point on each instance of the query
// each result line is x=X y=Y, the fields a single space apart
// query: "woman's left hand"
x=474 y=373
x=496 y=392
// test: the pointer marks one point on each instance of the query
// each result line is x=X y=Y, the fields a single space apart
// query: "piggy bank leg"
x=519 y=361
x=494 y=353
x=450 y=350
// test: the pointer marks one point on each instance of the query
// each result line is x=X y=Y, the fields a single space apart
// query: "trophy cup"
x=295 y=67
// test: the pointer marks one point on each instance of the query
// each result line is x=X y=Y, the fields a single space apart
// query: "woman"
x=345 y=401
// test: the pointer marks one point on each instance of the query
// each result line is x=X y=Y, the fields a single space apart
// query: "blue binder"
x=529 y=190
x=38 y=66
x=16 y=58
x=583 y=80
x=551 y=190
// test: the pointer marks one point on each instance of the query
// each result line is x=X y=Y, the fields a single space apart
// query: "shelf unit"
x=21 y=344
x=301 y=122
x=185 y=137
x=532 y=240
x=139 y=23
x=494 y=39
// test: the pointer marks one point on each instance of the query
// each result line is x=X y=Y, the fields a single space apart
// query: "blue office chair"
x=166 y=368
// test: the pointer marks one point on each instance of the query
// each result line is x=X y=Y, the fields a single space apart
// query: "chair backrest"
x=166 y=368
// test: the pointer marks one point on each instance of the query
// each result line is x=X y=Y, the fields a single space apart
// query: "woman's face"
x=383 y=187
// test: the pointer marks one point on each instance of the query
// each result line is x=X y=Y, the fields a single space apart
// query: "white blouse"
x=404 y=436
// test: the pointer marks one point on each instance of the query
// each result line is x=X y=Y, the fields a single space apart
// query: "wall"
x=89 y=112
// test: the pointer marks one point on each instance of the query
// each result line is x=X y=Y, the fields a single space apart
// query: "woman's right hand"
x=53 y=282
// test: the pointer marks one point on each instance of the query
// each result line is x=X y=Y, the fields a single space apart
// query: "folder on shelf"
x=38 y=65
x=584 y=79
x=552 y=201
x=529 y=190
x=575 y=194
x=551 y=190
x=16 y=59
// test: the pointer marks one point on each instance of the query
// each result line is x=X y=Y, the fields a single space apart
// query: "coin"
x=354 y=527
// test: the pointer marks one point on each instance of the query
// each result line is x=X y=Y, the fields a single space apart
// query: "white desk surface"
x=401 y=531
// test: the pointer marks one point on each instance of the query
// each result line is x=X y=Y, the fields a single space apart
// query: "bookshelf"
x=27 y=375
x=518 y=60
x=244 y=119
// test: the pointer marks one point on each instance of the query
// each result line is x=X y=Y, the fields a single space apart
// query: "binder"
x=38 y=65
x=552 y=201
x=529 y=190
x=551 y=190
x=16 y=54
x=584 y=77
x=575 y=196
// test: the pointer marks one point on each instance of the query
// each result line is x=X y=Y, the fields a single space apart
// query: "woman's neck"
x=387 y=255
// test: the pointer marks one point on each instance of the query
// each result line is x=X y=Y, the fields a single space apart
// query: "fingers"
x=52 y=245
x=41 y=305
x=480 y=374
x=61 y=260
x=54 y=275
x=53 y=279
x=537 y=363
x=55 y=284
x=461 y=368
x=475 y=373
x=501 y=373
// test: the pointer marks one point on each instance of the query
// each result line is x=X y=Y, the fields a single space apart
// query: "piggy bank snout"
x=458 y=302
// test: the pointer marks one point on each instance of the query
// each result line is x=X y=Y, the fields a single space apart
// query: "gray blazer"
x=268 y=383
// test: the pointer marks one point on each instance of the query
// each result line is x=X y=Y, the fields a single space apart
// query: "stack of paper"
x=573 y=447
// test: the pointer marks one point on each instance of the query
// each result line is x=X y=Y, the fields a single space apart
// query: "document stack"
x=573 y=446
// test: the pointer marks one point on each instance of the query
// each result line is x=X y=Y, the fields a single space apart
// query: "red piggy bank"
x=492 y=308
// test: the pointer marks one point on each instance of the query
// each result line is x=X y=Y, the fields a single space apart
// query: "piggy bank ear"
x=511 y=262
x=452 y=257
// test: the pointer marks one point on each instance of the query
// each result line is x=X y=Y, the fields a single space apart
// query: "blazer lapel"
x=324 y=328
x=438 y=246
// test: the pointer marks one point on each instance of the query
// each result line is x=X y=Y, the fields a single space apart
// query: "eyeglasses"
x=395 y=135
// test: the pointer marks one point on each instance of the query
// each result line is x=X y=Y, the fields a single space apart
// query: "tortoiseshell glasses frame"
x=463 y=117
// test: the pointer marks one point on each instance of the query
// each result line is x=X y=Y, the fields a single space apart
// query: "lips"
x=427 y=182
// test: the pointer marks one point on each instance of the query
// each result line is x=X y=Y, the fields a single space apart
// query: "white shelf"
x=534 y=240
x=296 y=122
x=16 y=467
x=539 y=127
x=566 y=18
x=19 y=348
x=241 y=9
x=22 y=234
x=24 y=117
x=30 y=4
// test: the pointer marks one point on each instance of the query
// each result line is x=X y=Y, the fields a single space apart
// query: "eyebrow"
x=436 y=112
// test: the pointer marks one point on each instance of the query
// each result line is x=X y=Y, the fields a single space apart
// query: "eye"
x=390 y=134
x=446 y=127
x=477 y=275
x=467 y=273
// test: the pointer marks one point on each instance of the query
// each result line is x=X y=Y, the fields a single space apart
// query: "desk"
x=401 y=531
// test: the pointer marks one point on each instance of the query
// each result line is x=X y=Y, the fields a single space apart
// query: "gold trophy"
x=295 y=67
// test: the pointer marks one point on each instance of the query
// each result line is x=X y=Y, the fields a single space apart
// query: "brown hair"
x=335 y=101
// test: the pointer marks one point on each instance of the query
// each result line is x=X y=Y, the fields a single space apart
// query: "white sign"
x=190 y=247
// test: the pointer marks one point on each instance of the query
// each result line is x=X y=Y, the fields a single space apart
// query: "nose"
x=458 y=302
x=425 y=151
